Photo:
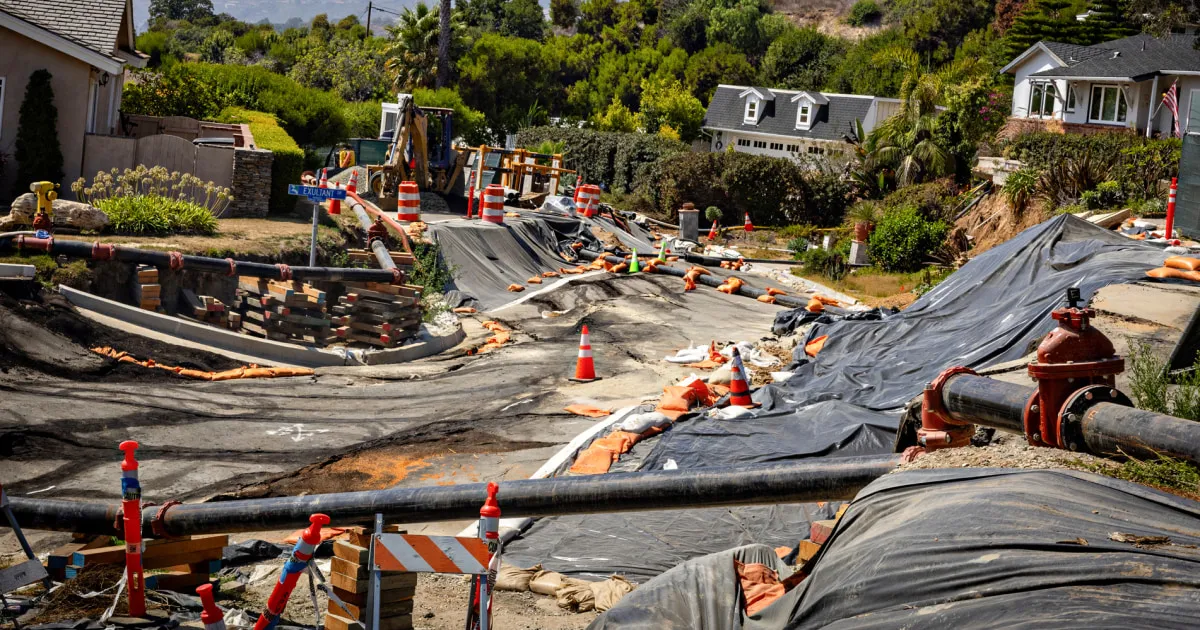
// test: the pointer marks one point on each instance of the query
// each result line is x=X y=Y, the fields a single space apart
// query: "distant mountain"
x=280 y=11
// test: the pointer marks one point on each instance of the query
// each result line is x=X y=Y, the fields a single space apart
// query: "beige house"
x=86 y=46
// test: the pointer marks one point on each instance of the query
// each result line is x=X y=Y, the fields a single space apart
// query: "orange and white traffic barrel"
x=493 y=204
x=408 y=203
x=588 y=199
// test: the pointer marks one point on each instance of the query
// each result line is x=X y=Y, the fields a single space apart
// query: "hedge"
x=614 y=159
x=288 y=161
x=774 y=191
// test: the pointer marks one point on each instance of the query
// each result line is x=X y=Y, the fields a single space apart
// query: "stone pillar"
x=689 y=223
x=251 y=187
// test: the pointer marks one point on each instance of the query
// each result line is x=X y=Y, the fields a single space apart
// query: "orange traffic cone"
x=352 y=187
x=324 y=179
x=335 y=205
x=585 y=369
x=749 y=226
x=712 y=233
x=739 y=391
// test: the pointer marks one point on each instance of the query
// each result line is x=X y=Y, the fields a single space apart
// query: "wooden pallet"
x=382 y=315
x=175 y=564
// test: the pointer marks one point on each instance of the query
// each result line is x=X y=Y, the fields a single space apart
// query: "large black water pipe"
x=204 y=264
x=707 y=280
x=1106 y=428
x=794 y=482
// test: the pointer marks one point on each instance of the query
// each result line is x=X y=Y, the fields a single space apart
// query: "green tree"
x=594 y=15
x=190 y=10
x=412 y=49
x=523 y=18
x=689 y=29
x=485 y=15
x=1162 y=16
x=864 y=12
x=1107 y=20
x=1052 y=20
x=564 y=13
x=503 y=78
x=1006 y=12
x=618 y=118
x=937 y=27
x=800 y=59
x=351 y=70
x=737 y=22
x=714 y=65
x=469 y=124
x=666 y=103
x=38 y=153
x=857 y=73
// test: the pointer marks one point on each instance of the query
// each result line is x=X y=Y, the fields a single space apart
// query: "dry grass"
x=248 y=237
x=66 y=604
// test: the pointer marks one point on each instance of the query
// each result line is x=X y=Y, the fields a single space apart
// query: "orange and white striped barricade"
x=408 y=203
x=493 y=204
x=409 y=553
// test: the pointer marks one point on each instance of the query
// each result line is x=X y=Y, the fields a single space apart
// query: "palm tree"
x=906 y=141
x=417 y=48
x=443 y=71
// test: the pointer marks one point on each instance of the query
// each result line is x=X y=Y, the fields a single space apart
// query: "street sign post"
x=316 y=195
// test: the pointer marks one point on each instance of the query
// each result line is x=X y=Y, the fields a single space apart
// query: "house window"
x=2 y=83
x=1070 y=107
x=752 y=110
x=776 y=146
x=1108 y=104
x=742 y=142
x=1041 y=99
x=760 y=144
x=93 y=98
x=792 y=148
x=803 y=117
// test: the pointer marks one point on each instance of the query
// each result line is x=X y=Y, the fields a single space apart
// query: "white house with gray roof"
x=1116 y=85
x=789 y=123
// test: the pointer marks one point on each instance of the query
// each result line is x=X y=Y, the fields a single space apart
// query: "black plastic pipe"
x=708 y=280
x=204 y=264
x=1110 y=429
x=981 y=400
x=794 y=482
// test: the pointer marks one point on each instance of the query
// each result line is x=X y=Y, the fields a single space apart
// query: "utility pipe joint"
x=938 y=429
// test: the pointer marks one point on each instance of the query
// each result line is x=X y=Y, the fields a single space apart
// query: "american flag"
x=1171 y=100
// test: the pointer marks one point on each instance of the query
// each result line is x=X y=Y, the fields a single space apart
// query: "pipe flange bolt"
x=1070 y=425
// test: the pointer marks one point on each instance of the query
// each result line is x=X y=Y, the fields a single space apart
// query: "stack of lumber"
x=378 y=314
x=403 y=261
x=819 y=532
x=288 y=311
x=147 y=291
x=350 y=580
x=207 y=309
x=175 y=564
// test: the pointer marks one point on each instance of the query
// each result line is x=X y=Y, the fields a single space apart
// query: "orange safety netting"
x=813 y=347
x=249 y=371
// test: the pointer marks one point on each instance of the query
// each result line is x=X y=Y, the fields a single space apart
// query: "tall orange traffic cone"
x=749 y=227
x=352 y=187
x=739 y=391
x=712 y=232
x=585 y=369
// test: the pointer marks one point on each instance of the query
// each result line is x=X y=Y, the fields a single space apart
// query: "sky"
x=278 y=11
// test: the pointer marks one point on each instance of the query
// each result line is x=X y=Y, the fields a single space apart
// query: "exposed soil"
x=993 y=221
x=250 y=238
x=1008 y=451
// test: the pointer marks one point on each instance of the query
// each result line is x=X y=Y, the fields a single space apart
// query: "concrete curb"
x=17 y=272
x=427 y=344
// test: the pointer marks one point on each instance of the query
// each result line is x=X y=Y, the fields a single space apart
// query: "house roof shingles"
x=1138 y=57
x=93 y=24
x=726 y=111
x=1072 y=54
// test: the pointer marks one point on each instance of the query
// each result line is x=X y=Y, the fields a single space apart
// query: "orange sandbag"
x=549 y=274
x=813 y=347
x=774 y=291
x=592 y=461
x=516 y=288
x=760 y=585
x=534 y=280
x=699 y=271
x=652 y=266
x=827 y=301
x=768 y=299
x=1168 y=272
x=731 y=286
x=493 y=325
x=814 y=306
x=672 y=258
x=689 y=283
x=676 y=401
x=204 y=376
x=1183 y=262
x=619 y=268
x=577 y=245
x=570 y=271
x=464 y=309
x=587 y=410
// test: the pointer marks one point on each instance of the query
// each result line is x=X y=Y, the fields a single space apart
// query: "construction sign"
x=429 y=554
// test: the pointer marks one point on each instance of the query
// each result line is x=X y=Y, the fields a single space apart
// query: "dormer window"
x=804 y=116
x=807 y=106
x=752 y=111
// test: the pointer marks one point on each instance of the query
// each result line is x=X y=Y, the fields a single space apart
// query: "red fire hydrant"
x=1071 y=357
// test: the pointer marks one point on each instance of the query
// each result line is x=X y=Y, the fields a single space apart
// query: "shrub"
x=362 y=119
x=1135 y=162
x=613 y=159
x=863 y=12
x=826 y=262
x=1149 y=381
x=1020 y=187
x=904 y=238
x=143 y=181
x=1107 y=194
x=146 y=215
x=469 y=124
x=38 y=153
x=932 y=199
x=288 y=160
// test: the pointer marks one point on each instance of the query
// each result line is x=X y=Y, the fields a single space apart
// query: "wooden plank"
x=149 y=290
x=61 y=557
x=257 y=286
x=353 y=554
x=302 y=320
x=334 y=621
x=147 y=276
x=387 y=610
x=346 y=567
x=390 y=582
x=155 y=548
x=380 y=308
x=360 y=599
x=22 y=574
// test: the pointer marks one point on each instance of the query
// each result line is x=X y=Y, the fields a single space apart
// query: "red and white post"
x=480 y=614
x=212 y=617
x=131 y=512
x=1171 y=207
x=295 y=565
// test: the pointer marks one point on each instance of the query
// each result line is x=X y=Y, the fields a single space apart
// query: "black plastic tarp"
x=994 y=309
x=954 y=548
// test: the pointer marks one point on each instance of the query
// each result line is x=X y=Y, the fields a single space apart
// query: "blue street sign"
x=316 y=193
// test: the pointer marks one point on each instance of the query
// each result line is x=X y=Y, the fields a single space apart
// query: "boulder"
x=74 y=214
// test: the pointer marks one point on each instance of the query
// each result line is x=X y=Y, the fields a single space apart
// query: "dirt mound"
x=993 y=221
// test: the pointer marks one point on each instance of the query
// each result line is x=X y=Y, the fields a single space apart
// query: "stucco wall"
x=19 y=57
x=830 y=148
